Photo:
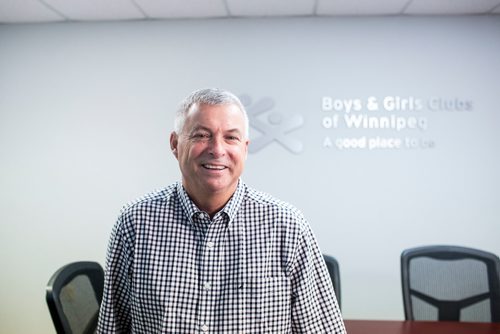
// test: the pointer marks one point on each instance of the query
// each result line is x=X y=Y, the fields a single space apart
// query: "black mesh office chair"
x=450 y=283
x=74 y=294
x=334 y=271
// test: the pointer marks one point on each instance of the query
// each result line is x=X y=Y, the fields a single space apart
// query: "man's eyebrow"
x=235 y=130
x=200 y=128
x=204 y=128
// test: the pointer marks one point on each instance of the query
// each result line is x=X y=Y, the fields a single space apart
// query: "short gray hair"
x=210 y=96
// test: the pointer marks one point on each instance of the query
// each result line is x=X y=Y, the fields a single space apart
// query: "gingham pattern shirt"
x=254 y=268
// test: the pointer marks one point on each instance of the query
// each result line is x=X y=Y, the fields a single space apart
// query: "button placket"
x=209 y=273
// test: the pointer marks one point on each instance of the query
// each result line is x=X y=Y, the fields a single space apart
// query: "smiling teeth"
x=214 y=167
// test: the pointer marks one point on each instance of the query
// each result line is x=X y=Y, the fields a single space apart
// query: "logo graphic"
x=275 y=129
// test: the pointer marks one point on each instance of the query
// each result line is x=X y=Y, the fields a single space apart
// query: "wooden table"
x=419 y=327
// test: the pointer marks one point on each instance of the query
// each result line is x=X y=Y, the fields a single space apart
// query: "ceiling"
x=30 y=11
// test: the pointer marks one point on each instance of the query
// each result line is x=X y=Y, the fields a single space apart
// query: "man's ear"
x=246 y=148
x=173 y=143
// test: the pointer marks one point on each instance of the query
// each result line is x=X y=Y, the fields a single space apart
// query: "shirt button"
x=210 y=244
x=204 y=328
x=206 y=286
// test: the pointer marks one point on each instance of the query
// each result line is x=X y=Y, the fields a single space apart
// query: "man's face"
x=211 y=149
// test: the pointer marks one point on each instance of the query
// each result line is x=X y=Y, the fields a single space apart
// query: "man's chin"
x=219 y=187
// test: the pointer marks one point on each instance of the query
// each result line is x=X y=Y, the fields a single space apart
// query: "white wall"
x=86 y=110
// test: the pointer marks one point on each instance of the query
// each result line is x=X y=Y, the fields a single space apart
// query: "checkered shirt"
x=255 y=267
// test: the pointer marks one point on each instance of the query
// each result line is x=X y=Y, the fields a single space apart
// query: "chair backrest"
x=74 y=294
x=334 y=271
x=450 y=283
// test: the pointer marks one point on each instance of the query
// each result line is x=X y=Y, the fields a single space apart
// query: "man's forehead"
x=199 y=110
x=199 y=116
x=202 y=127
x=200 y=105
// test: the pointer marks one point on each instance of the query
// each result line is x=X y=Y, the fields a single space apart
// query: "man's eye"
x=200 y=135
x=233 y=138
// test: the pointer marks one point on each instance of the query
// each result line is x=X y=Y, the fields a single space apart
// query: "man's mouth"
x=213 y=167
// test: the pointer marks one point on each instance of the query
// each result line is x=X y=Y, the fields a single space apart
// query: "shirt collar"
x=230 y=209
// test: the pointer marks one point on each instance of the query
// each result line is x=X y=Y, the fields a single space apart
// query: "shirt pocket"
x=267 y=304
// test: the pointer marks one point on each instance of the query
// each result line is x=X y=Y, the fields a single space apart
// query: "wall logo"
x=275 y=128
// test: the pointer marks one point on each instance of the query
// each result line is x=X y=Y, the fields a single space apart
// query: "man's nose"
x=217 y=148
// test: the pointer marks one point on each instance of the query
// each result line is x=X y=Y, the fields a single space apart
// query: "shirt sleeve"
x=115 y=310
x=314 y=305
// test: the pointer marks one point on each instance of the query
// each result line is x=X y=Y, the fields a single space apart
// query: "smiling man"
x=211 y=148
x=210 y=254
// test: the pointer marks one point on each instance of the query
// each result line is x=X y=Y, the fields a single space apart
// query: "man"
x=209 y=254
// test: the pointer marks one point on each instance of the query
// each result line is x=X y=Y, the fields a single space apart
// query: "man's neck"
x=210 y=203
